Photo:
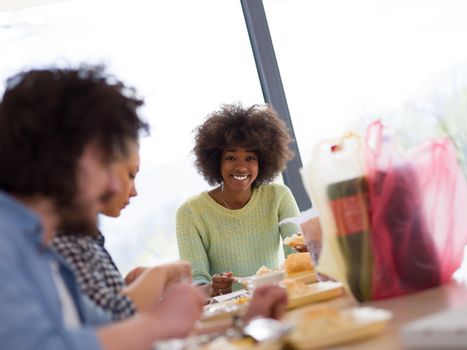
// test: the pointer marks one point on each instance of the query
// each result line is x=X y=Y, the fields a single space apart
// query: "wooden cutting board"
x=305 y=277
x=318 y=291
x=366 y=322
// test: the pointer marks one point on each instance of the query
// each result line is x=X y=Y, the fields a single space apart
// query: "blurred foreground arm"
x=147 y=288
x=268 y=301
x=173 y=317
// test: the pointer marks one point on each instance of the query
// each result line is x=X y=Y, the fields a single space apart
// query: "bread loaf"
x=298 y=263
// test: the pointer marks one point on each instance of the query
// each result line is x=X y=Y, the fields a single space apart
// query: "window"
x=186 y=57
x=344 y=61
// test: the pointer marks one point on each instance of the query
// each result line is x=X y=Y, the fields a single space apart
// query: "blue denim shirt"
x=30 y=310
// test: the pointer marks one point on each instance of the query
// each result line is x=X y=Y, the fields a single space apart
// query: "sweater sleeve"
x=287 y=208
x=190 y=245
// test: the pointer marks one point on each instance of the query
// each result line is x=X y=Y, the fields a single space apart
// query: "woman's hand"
x=301 y=248
x=179 y=271
x=149 y=286
x=221 y=284
x=313 y=235
x=268 y=301
x=134 y=274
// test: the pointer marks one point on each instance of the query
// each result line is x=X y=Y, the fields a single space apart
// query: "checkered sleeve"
x=96 y=273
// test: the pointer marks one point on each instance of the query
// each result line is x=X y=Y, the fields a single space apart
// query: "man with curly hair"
x=233 y=229
x=61 y=132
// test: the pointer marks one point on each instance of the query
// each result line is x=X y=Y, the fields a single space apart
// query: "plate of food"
x=227 y=305
x=326 y=326
x=240 y=344
x=259 y=334
x=264 y=276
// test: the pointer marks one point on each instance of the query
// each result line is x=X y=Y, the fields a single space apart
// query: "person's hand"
x=134 y=274
x=179 y=271
x=322 y=278
x=301 y=248
x=178 y=310
x=313 y=235
x=149 y=286
x=167 y=274
x=267 y=301
x=315 y=251
x=221 y=284
x=205 y=289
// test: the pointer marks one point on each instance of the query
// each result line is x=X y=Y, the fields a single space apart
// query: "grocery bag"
x=335 y=181
x=393 y=221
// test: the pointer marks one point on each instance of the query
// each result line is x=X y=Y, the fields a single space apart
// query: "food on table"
x=321 y=320
x=295 y=240
x=226 y=309
x=314 y=292
x=263 y=270
x=298 y=263
x=324 y=326
x=263 y=276
x=225 y=343
x=244 y=299
x=294 y=287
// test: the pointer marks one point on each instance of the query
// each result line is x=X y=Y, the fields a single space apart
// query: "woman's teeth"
x=240 y=178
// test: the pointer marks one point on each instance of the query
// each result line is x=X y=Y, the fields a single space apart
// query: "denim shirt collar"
x=16 y=214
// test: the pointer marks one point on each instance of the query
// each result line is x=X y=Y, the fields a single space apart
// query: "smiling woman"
x=233 y=229
x=239 y=169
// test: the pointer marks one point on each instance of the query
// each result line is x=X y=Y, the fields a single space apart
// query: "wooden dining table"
x=404 y=310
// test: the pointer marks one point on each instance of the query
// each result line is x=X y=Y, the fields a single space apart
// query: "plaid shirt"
x=96 y=273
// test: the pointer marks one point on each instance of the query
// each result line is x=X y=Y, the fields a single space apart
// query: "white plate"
x=262 y=280
x=229 y=296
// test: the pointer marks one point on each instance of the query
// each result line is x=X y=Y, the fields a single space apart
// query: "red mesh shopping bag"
x=418 y=203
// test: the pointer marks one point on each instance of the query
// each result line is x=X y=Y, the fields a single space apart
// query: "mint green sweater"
x=215 y=239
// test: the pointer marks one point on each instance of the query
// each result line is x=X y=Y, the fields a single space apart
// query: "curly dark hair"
x=257 y=128
x=48 y=116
